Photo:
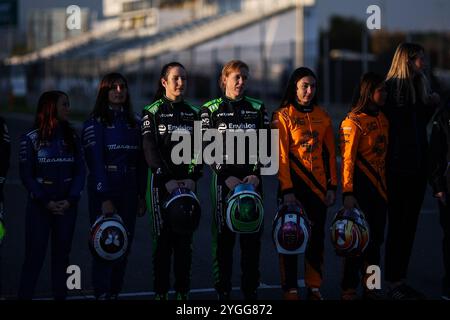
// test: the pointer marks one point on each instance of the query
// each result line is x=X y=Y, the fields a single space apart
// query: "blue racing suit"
x=50 y=171
x=5 y=152
x=117 y=173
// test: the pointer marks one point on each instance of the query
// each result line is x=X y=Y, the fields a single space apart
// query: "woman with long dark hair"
x=307 y=173
x=168 y=113
x=363 y=142
x=52 y=170
x=116 y=182
x=409 y=107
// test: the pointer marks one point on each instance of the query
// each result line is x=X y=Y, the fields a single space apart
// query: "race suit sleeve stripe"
x=330 y=163
x=27 y=163
x=265 y=125
x=5 y=153
x=371 y=175
x=195 y=169
x=349 y=138
x=79 y=174
x=312 y=179
x=284 y=171
x=150 y=145
x=92 y=138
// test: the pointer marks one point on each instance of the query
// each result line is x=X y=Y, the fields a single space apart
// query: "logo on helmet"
x=349 y=233
x=109 y=238
x=291 y=230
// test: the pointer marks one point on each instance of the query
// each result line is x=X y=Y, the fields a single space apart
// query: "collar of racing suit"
x=374 y=111
x=115 y=110
x=173 y=103
x=232 y=104
x=231 y=101
x=118 y=113
x=303 y=108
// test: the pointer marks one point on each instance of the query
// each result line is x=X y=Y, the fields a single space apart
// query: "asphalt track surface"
x=425 y=270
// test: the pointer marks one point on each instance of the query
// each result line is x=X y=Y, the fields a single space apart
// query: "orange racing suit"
x=363 y=141
x=307 y=168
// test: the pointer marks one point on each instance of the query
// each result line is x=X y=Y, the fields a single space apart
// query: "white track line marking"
x=301 y=284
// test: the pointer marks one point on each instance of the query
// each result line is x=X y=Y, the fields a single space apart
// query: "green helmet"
x=245 y=210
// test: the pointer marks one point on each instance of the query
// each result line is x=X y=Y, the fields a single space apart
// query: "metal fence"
x=269 y=71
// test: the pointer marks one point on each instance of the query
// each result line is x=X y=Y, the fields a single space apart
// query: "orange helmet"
x=349 y=232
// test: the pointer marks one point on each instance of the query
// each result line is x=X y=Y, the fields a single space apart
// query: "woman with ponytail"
x=168 y=113
x=363 y=142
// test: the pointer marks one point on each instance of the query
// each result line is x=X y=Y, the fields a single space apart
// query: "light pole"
x=299 y=34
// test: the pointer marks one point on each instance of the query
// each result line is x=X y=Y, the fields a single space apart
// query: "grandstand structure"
x=136 y=43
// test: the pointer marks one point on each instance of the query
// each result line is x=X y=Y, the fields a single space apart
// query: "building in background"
x=48 y=26
x=8 y=26
x=136 y=37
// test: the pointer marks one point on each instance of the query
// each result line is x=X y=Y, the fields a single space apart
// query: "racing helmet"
x=291 y=229
x=182 y=211
x=349 y=232
x=109 y=238
x=245 y=211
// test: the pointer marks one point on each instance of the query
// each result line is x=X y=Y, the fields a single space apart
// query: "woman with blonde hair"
x=409 y=107
x=234 y=110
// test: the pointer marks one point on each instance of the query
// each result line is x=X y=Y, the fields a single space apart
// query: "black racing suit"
x=160 y=120
x=223 y=114
x=5 y=152
x=406 y=178
x=440 y=180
